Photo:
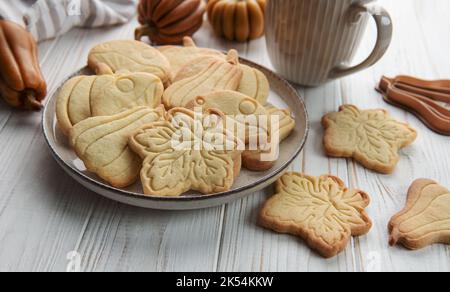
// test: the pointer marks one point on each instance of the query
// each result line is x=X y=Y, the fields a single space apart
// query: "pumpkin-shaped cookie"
x=168 y=21
x=219 y=75
x=179 y=56
x=253 y=84
x=248 y=117
x=129 y=55
x=85 y=96
x=239 y=20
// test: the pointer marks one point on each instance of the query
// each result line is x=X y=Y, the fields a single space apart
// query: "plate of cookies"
x=174 y=127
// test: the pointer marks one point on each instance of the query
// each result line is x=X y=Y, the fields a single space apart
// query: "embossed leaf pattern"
x=321 y=210
x=321 y=206
x=171 y=169
x=371 y=136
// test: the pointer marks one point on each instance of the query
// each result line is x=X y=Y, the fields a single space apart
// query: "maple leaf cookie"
x=183 y=153
x=425 y=219
x=321 y=210
x=371 y=137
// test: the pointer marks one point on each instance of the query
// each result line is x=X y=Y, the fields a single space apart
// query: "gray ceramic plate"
x=282 y=95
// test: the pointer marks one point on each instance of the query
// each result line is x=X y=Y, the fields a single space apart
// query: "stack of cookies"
x=138 y=117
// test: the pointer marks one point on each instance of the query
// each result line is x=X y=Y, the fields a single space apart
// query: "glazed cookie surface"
x=320 y=210
x=219 y=75
x=371 y=137
x=102 y=144
x=425 y=219
x=177 y=158
x=130 y=55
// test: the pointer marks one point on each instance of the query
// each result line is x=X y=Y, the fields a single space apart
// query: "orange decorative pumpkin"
x=166 y=22
x=237 y=20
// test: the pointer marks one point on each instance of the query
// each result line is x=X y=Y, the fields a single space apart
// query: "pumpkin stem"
x=30 y=101
x=144 y=30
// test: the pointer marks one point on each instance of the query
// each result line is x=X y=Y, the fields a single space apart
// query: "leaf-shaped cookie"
x=219 y=75
x=180 y=56
x=425 y=219
x=321 y=210
x=184 y=153
x=371 y=137
x=244 y=112
x=130 y=55
x=85 y=96
x=112 y=94
x=266 y=157
x=102 y=144
x=253 y=83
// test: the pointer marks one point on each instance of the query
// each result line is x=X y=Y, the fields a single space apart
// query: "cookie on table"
x=179 y=56
x=320 y=210
x=371 y=137
x=219 y=75
x=102 y=144
x=83 y=97
x=129 y=55
x=177 y=158
x=425 y=219
x=254 y=83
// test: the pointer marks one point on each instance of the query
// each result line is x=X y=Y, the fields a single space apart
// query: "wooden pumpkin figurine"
x=237 y=20
x=166 y=22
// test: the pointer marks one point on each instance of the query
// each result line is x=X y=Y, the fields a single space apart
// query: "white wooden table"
x=44 y=214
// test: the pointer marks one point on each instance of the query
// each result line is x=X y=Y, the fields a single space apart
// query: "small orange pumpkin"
x=166 y=22
x=237 y=20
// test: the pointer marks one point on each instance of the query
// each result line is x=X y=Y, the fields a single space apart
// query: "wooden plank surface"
x=44 y=214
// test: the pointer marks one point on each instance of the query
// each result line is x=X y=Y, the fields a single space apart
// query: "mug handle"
x=385 y=30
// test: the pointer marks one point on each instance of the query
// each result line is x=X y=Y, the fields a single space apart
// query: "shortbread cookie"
x=85 y=96
x=73 y=102
x=254 y=83
x=112 y=94
x=102 y=144
x=321 y=210
x=265 y=158
x=425 y=219
x=134 y=56
x=371 y=137
x=244 y=112
x=219 y=75
x=179 y=157
x=180 y=56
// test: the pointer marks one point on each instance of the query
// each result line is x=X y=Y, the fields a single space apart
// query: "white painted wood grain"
x=44 y=214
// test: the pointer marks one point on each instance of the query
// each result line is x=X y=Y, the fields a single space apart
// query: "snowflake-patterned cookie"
x=371 y=137
x=321 y=210
x=184 y=153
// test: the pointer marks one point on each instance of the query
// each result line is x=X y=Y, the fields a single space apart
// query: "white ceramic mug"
x=311 y=42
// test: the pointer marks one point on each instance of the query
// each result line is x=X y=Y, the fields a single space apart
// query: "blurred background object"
x=237 y=20
x=166 y=22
